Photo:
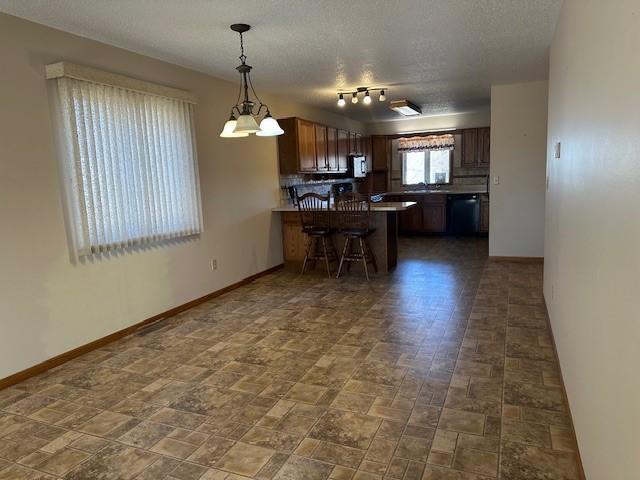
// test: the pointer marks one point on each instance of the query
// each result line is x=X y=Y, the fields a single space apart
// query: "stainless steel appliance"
x=358 y=166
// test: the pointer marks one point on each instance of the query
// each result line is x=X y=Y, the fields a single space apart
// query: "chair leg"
x=306 y=255
x=326 y=256
x=373 y=257
x=364 y=258
x=347 y=240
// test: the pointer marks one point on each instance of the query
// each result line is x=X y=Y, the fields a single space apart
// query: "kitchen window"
x=128 y=163
x=426 y=167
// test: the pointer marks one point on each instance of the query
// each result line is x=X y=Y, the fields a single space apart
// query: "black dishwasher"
x=463 y=214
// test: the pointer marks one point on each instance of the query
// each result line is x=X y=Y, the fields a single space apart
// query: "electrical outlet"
x=496 y=180
x=213 y=264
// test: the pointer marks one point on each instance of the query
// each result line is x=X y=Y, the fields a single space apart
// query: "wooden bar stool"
x=354 y=221
x=315 y=216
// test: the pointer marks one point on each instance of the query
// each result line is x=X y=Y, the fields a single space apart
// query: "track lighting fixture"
x=366 y=99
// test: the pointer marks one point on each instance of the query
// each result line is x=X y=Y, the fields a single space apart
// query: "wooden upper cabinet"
x=353 y=149
x=332 y=149
x=484 y=146
x=470 y=147
x=366 y=151
x=378 y=182
x=343 y=150
x=476 y=145
x=307 y=146
x=380 y=153
x=322 y=162
x=359 y=150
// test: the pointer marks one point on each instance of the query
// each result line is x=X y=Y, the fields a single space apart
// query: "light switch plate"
x=496 y=179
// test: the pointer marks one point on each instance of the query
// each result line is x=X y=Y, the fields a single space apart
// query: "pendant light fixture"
x=242 y=121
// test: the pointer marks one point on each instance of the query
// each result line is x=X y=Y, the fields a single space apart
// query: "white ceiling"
x=443 y=55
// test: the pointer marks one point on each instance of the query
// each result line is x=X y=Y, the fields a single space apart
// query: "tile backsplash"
x=307 y=183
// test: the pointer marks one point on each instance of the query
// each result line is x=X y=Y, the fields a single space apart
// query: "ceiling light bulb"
x=354 y=97
x=367 y=98
x=382 y=97
x=341 y=102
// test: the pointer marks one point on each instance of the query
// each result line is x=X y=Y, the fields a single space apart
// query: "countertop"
x=375 y=207
x=443 y=190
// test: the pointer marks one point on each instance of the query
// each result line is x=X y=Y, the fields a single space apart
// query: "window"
x=130 y=166
x=427 y=166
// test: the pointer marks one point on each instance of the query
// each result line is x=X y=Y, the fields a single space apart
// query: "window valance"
x=93 y=75
x=430 y=142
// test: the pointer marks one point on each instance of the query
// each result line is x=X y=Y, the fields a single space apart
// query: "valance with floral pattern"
x=431 y=142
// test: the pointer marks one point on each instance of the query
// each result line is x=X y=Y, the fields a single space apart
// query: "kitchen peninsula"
x=384 y=241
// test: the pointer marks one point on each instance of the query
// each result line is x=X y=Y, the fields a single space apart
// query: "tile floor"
x=443 y=370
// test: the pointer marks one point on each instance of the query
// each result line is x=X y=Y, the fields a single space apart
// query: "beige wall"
x=479 y=118
x=47 y=304
x=592 y=244
x=518 y=156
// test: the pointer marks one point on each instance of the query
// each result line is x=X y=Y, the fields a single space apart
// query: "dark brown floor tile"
x=338 y=454
x=346 y=428
x=273 y=439
x=525 y=462
x=525 y=432
x=461 y=421
x=115 y=462
x=296 y=468
x=245 y=459
x=211 y=451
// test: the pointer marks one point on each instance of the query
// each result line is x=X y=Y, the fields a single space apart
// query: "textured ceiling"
x=443 y=55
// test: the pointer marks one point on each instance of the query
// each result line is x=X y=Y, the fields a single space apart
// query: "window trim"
x=426 y=184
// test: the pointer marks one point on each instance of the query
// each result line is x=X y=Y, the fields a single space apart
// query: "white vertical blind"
x=130 y=166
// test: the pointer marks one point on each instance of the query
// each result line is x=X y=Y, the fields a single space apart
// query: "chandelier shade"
x=269 y=127
x=229 y=129
x=246 y=124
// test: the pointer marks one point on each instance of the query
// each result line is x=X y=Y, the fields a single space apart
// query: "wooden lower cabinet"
x=484 y=213
x=434 y=218
x=428 y=216
x=293 y=239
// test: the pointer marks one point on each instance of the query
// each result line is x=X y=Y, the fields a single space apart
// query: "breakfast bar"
x=384 y=241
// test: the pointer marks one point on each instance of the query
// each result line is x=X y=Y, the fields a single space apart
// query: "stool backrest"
x=354 y=210
x=314 y=209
